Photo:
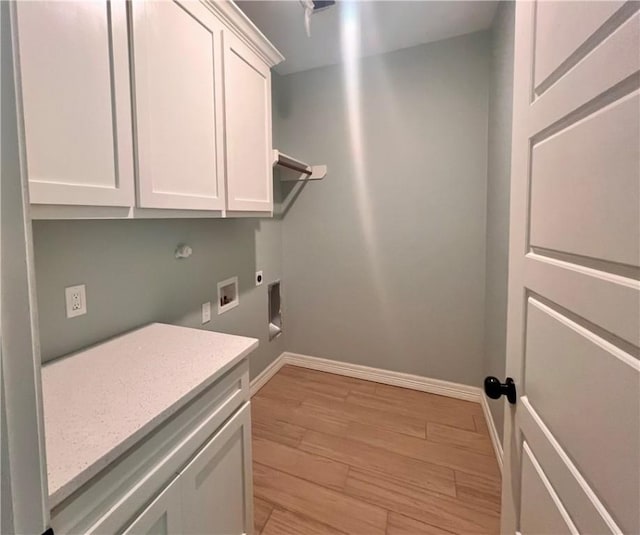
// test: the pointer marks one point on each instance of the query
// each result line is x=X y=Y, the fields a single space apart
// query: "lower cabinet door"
x=163 y=516
x=217 y=486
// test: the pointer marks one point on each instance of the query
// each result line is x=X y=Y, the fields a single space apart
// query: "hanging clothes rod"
x=295 y=167
x=309 y=172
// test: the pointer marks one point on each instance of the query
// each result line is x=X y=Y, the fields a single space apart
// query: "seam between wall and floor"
x=388 y=377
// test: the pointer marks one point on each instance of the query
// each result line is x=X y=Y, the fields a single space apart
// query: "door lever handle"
x=494 y=388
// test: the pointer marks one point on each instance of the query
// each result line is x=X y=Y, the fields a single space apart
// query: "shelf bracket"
x=307 y=172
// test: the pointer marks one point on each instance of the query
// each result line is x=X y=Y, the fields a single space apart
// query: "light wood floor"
x=335 y=455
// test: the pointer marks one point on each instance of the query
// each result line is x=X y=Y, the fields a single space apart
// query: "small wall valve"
x=183 y=251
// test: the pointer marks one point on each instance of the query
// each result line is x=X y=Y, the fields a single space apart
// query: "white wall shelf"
x=300 y=170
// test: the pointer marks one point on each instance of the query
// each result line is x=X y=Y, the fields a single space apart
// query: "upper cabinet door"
x=74 y=77
x=247 y=84
x=178 y=106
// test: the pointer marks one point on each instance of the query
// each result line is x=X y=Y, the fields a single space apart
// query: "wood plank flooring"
x=335 y=455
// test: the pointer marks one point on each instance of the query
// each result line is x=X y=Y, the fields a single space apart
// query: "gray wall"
x=384 y=260
x=498 y=177
x=133 y=278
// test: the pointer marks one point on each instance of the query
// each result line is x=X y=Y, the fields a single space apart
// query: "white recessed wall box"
x=228 y=295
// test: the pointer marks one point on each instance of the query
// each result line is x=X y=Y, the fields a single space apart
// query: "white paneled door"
x=572 y=440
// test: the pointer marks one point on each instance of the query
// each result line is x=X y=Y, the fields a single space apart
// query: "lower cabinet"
x=217 y=486
x=162 y=516
x=212 y=494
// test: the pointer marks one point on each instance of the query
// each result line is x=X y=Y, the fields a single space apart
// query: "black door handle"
x=494 y=388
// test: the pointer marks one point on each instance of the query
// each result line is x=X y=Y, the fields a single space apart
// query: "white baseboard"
x=493 y=431
x=387 y=377
x=261 y=379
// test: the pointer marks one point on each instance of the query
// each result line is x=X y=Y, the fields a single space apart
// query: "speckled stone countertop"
x=101 y=401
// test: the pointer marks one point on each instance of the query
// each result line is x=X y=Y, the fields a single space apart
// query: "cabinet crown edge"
x=235 y=19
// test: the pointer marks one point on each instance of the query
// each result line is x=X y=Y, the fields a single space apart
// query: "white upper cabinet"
x=134 y=107
x=178 y=105
x=74 y=81
x=247 y=84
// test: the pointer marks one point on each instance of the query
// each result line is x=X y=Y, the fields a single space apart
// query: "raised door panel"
x=566 y=367
x=542 y=513
x=178 y=105
x=585 y=190
x=76 y=105
x=162 y=517
x=247 y=82
x=216 y=485
x=571 y=25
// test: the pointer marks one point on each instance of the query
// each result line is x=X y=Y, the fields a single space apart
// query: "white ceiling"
x=384 y=26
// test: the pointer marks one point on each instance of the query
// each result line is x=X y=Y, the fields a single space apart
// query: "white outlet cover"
x=259 y=278
x=206 y=312
x=76 y=300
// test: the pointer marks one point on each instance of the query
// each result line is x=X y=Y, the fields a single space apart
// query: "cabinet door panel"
x=217 y=485
x=247 y=82
x=76 y=104
x=177 y=60
x=162 y=517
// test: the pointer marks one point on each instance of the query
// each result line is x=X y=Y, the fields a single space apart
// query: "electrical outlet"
x=206 y=312
x=76 y=300
x=259 y=278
